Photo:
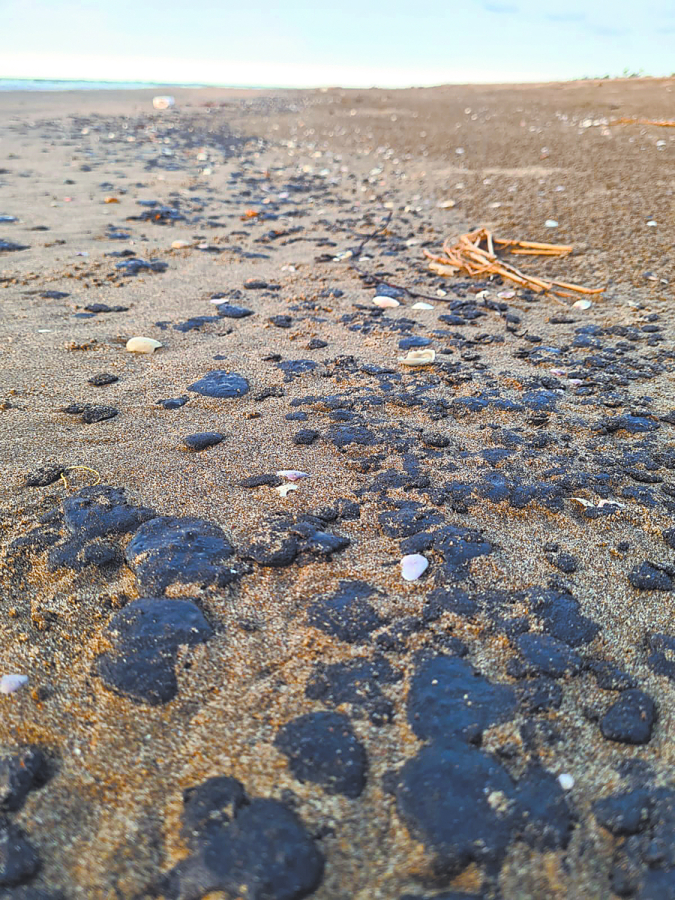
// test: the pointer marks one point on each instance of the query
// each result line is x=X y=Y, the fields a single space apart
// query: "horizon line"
x=334 y=86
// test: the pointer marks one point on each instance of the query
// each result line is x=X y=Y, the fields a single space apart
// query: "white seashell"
x=142 y=345
x=386 y=302
x=506 y=295
x=413 y=565
x=284 y=489
x=551 y=223
x=559 y=372
x=179 y=245
x=582 y=304
x=292 y=474
x=418 y=358
x=652 y=224
x=445 y=204
x=345 y=254
x=566 y=781
x=582 y=502
x=163 y=102
x=422 y=305
x=11 y=683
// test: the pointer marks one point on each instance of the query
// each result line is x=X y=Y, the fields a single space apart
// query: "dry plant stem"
x=628 y=120
x=467 y=255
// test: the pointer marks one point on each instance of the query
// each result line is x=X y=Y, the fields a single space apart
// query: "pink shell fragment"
x=385 y=302
x=292 y=474
x=11 y=683
x=413 y=565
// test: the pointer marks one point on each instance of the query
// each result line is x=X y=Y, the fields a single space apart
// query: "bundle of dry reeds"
x=475 y=254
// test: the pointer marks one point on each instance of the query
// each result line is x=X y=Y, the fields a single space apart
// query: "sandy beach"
x=501 y=727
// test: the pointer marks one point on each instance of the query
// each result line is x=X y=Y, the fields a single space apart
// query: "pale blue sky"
x=343 y=42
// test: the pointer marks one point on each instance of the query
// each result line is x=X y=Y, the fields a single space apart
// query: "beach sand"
x=561 y=605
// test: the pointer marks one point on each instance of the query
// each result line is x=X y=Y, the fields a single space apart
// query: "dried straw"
x=474 y=254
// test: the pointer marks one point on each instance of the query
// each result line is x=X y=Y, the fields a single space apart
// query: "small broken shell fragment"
x=587 y=504
x=582 y=304
x=284 y=489
x=292 y=474
x=418 y=358
x=385 y=302
x=180 y=245
x=11 y=683
x=566 y=781
x=413 y=565
x=143 y=345
x=446 y=204
x=421 y=305
x=163 y=102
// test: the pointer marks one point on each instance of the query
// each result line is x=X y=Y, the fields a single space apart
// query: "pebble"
x=11 y=683
x=243 y=847
x=413 y=566
x=203 y=439
x=322 y=749
x=169 y=550
x=43 y=476
x=566 y=782
x=103 y=379
x=145 y=637
x=131 y=267
x=281 y=321
x=20 y=774
x=346 y=614
x=630 y=719
x=421 y=305
x=230 y=311
x=102 y=510
x=19 y=861
x=408 y=343
x=142 y=345
x=225 y=385
x=305 y=437
x=91 y=413
x=173 y=402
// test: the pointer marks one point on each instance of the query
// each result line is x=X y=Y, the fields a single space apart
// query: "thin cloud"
x=501 y=8
x=607 y=30
x=565 y=17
